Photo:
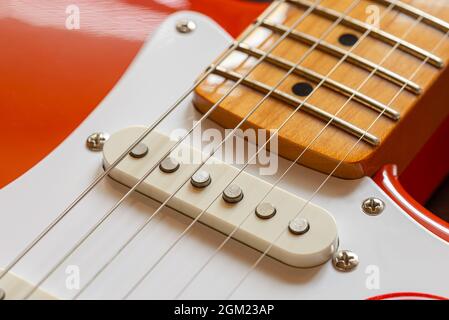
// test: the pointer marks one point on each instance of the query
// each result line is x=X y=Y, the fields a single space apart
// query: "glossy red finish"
x=407 y=296
x=388 y=180
x=430 y=167
x=51 y=77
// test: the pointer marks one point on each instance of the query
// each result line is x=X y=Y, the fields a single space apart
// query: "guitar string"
x=143 y=226
x=329 y=176
x=262 y=148
x=197 y=273
x=276 y=4
x=112 y=210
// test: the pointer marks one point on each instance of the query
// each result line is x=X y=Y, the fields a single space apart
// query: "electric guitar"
x=261 y=167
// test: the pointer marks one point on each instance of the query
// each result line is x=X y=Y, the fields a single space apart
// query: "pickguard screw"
x=373 y=206
x=96 y=141
x=185 y=26
x=2 y=294
x=345 y=260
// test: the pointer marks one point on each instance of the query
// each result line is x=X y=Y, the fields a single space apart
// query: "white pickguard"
x=403 y=255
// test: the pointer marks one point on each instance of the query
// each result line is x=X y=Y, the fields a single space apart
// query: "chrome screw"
x=345 y=260
x=185 y=26
x=96 y=141
x=373 y=206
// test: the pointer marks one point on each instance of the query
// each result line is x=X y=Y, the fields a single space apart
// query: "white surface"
x=308 y=250
x=17 y=288
x=405 y=256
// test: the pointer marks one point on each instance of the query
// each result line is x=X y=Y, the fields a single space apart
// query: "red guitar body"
x=52 y=77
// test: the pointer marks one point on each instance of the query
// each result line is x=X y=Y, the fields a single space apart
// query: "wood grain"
x=400 y=141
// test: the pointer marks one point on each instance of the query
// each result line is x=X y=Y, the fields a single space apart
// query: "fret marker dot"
x=348 y=39
x=302 y=89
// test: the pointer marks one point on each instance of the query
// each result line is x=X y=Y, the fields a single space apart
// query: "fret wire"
x=270 y=9
x=316 y=77
x=196 y=219
x=334 y=170
x=288 y=169
x=416 y=13
x=352 y=58
x=112 y=210
x=294 y=102
x=376 y=33
x=230 y=235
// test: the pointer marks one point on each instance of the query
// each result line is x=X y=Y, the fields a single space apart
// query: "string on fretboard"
x=261 y=87
x=353 y=59
x=268 y=90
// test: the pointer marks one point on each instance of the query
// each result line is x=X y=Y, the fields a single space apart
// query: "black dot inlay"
x=302 y=89
x=348 y=39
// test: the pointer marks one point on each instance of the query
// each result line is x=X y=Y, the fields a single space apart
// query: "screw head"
x=345 y=260
x=373 y=206
x=96 y=141
x=185 y=26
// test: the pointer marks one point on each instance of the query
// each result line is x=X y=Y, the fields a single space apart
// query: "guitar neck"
x=353 y=84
